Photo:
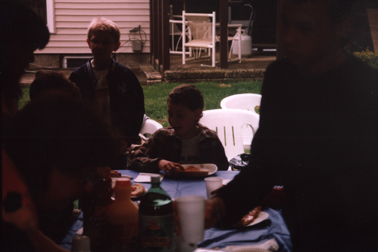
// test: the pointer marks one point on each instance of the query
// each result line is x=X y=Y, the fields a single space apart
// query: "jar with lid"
x=93 y=205
x=122 y=218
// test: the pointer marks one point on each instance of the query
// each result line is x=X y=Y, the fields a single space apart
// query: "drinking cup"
x=191 y=214
x=81 y=244
x=212 y=183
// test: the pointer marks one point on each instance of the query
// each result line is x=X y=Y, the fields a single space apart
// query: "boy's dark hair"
x=19 y=22
x=187 y=95
x=338 y=9
x=52 y=81
x=60 y=132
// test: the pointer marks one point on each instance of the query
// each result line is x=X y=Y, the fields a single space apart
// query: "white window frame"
x=50 y=15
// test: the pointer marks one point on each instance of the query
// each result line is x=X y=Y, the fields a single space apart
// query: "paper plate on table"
x=203 y=170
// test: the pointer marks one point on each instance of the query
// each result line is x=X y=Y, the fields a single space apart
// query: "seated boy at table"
x=185 y=141
x=112 y=87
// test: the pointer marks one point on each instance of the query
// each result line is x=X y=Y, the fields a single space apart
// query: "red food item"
x=192 y=168
x=250 y=217
x=193 y=171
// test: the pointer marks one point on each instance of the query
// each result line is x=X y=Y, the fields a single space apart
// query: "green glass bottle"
x=156 y=225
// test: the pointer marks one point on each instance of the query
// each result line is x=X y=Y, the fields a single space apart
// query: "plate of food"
x=254 y=217
x=198 y=170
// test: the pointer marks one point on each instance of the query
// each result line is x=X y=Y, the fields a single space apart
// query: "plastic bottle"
x=156 y=224
x=93 y=206
x=122 y=218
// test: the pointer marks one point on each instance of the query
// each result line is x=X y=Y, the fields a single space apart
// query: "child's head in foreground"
x=185 y=104
x=312 y=30
x=48 y=82
x=103 y=38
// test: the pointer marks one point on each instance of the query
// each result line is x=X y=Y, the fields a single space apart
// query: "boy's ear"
x=89 y=45
x=198 y=114
x=116 y=47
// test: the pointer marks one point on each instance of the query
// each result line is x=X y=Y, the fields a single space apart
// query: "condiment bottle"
x=156 y=224
x=122 y=218
x=93 y=205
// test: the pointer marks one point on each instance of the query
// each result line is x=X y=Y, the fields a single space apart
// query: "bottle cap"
x=122 y=182
x=155 y=179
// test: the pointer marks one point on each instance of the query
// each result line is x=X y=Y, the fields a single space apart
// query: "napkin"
x=146 y=177
x=226 y=181
x=268 y=246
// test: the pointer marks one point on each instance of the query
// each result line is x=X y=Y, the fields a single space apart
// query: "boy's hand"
x=169 y=168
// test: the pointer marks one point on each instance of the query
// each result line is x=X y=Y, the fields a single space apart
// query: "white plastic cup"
x=191 y=213
x=81 y=244
x=212 y=183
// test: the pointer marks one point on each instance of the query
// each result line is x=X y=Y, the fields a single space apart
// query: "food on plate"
x=250 y=217
x=138 y=190
x=193 y=171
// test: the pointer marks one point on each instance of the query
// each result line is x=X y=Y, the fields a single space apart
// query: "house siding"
x=72 y=18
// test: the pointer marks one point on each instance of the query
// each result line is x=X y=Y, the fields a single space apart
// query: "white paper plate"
x=211 y=168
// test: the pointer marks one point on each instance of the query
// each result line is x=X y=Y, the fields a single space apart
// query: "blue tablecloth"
x=274 y=227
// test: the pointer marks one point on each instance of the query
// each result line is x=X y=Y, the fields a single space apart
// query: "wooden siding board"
x=101 y=1
x=83 y=37
x=81 y=50
x=103 y=5
x=78 y=44
x=127 y=23
x=126 y=14
x=72 y=18
x=94 y=12
x=83 y=25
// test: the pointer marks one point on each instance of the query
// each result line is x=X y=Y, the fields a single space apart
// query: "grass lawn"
x=155 y=96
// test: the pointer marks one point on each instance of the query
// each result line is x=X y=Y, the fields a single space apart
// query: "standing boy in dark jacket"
x=113 y=88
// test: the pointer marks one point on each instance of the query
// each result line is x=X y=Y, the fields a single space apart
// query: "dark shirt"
x=125 y=95
x=164 y=144
x=318 y=136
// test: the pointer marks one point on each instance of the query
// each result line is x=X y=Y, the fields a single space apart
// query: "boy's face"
x=307 y=34
x=183 y=120
x=18 y=56
x=102 y=45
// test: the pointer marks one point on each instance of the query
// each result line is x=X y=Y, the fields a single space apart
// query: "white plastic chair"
x=202 y=35
x=228 y=124
x=149 y=127
x=247 y=101
x=175 y=31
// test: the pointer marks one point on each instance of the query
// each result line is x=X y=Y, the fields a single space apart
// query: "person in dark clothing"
x=57 y=145
x=185 y=141
x=318 y=136
x=112 y=87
